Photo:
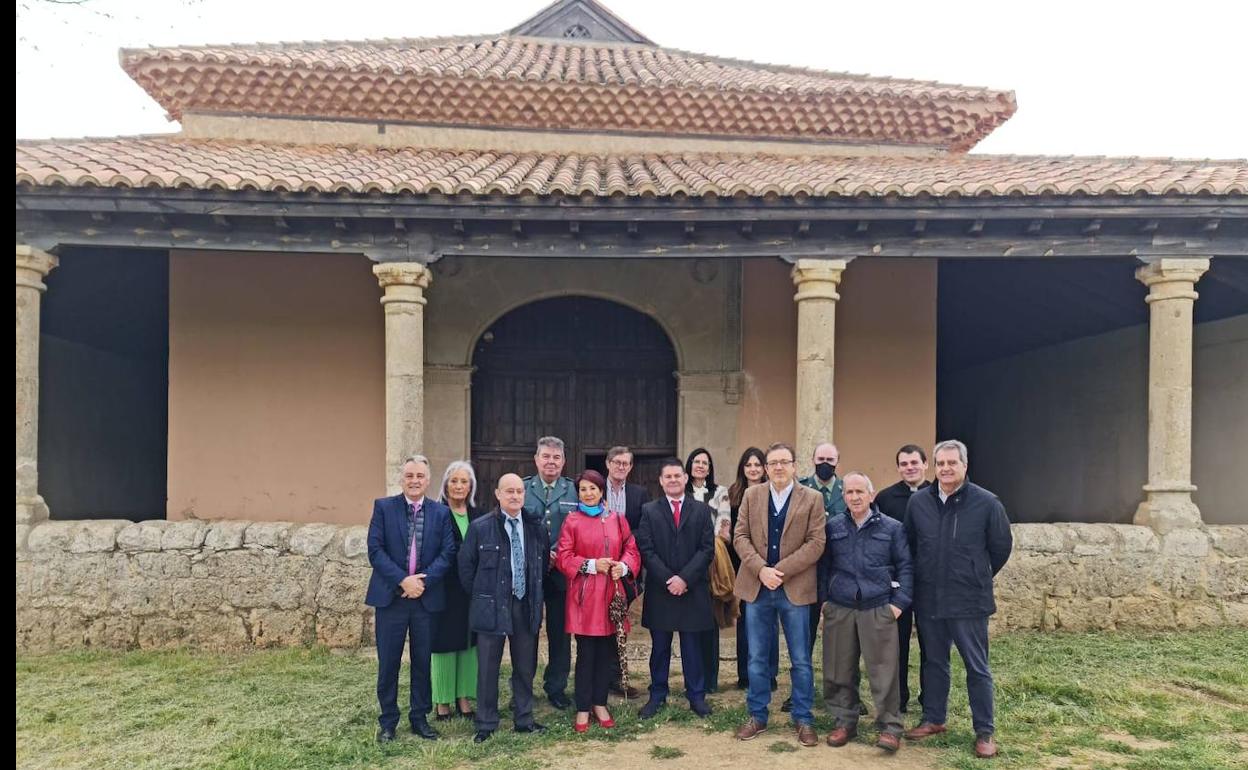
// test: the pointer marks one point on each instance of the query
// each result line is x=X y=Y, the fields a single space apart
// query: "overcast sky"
x=1094 y=77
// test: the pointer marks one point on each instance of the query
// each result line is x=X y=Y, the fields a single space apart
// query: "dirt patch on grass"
x=1139 y=744
x=707 y=749
x=1197 y=693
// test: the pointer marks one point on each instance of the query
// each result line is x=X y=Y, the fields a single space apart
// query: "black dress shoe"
x=701 y=708
x=787 y=706
x=559 y=701
x=385 y=736
x=423 y=729
x=651 y=708
x=443 y=717
x=536 y=727
x=482 y=736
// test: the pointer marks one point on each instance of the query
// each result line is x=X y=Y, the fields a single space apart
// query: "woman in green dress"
x=453 y=667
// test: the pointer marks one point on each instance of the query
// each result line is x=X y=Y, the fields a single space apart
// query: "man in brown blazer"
x=780 y=538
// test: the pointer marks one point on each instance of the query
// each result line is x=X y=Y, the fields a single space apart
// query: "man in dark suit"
x=626 y=500
x=411 y=548
x=549 y=497
x=676 y=540
x=502 y=567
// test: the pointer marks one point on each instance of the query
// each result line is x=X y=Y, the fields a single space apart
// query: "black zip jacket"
x=958 y=547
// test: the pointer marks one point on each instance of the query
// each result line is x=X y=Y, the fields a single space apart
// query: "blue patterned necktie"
x=517 y=558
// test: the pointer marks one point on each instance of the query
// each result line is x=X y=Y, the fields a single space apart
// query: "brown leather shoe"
x=985 y=747
x=807 y=736
x=841 y=736
x=751 y=730
x=888 y=742
x=925 y=730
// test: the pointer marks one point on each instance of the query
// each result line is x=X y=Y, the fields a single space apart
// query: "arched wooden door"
x=592 y=372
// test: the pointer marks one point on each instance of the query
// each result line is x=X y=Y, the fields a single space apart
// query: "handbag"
x=629 y=581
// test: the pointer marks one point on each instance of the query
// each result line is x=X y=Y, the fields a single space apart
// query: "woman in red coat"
x=596 y=549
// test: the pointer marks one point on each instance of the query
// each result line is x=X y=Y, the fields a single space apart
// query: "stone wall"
x=232 y=584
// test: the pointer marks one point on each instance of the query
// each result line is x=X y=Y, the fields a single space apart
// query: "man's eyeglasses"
x=778 y=463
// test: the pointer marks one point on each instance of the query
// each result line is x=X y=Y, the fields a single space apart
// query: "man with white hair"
x=869 y=584
x=960 y=538
x=411 y=548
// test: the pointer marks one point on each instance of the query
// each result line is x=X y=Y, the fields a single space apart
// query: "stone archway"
x=593 y=372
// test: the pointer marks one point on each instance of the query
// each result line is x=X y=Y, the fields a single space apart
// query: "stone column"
x=1171 y=285
x=816 y=281
x=32 y=266
x=403 y=284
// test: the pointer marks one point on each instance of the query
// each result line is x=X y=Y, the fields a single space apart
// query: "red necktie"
x=676 y=512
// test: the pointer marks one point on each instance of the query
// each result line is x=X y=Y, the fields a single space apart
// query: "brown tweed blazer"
x=801 y=542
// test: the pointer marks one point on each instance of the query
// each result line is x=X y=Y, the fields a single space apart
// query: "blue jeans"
x=760 y=622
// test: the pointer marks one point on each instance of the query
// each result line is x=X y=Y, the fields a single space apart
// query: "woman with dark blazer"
x=701 y=486
x=453 y=666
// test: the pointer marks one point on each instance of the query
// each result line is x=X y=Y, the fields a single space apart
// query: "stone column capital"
x=32 y=266
x=403 y=281
x=818 y=278
x=1171 y=277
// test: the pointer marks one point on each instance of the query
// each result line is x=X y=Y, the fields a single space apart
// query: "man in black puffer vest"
x=960 y=538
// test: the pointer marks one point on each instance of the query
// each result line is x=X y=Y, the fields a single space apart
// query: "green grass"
x=1132 y=701
x=666 y=752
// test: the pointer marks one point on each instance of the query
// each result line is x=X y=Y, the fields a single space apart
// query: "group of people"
x=456 y=582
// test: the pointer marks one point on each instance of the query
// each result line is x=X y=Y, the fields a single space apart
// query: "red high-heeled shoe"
x=581 y=728
x=605 y=724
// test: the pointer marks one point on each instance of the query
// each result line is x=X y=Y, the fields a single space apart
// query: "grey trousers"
x=871 y=634
x=523 y=669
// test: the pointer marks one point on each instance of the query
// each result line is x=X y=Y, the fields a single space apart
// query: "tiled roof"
x=510 y=81
x=171 y=162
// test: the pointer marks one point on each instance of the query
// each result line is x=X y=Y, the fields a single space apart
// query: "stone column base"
x=1169 y=508
x=31 y=510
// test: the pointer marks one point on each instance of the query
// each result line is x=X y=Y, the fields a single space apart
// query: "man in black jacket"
x=677 y=544
x=892 y=502
x=502 y=564
x=960 y=538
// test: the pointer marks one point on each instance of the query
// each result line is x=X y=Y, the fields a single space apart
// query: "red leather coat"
x=593 y=537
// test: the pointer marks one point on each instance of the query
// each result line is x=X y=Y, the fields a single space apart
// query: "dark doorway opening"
x=592 y=372
x=104 y=385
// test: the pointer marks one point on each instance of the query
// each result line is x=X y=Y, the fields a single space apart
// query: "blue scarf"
x=591 y=511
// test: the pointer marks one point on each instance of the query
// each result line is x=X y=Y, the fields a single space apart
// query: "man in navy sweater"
x=960 y=538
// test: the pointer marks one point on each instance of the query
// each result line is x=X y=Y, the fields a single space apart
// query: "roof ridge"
x=463 y=40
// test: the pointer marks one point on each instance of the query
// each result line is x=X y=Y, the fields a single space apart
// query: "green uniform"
x=833 y=502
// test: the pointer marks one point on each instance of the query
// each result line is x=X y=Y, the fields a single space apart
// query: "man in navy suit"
x=411 y=548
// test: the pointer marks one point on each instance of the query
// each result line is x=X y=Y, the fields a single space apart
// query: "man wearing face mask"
x=824 y=481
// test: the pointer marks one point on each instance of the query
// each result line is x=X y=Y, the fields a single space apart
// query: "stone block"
x=312 y=539
x=163 y=632
x=50 y=536
x=96 y=535
x=23 y=531
x=225 y=535
x=218 y=631
x=1124 y=575
x=340 y=630
x=184 y=535
x=112 y=632
x=342 y=587
x=1095 y=534
x=1227 y=578
x=355 y=544
x=1080 y=614
x=269 y=534
x=1137 y=539
x=1024 y=614
x=1236 y=614
x=1181 y=578
x=1145 y=613
x=1186 y=542
x=1231 y=540
x=281 y=628
x=1039 y=538
x=1197 y=614
x=166 y=565
x=142 y=536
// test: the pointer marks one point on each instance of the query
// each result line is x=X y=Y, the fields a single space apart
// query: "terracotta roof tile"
x=535 y=82
x=171 y=162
